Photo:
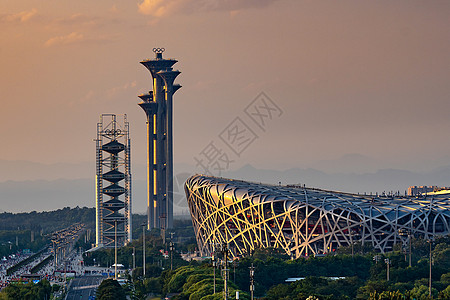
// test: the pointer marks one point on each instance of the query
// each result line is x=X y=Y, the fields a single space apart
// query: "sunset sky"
x=364 y=77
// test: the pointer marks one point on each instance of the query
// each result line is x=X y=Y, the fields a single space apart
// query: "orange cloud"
x=72 y=38
x=21 y=17
x=161 y=8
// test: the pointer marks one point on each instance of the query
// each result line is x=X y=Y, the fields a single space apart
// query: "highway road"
x=84 y=287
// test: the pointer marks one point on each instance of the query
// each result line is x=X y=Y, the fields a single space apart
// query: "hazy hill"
x=379 y=181
x=65 y=186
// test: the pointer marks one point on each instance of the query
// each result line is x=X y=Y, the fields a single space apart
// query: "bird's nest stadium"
x=306 y=221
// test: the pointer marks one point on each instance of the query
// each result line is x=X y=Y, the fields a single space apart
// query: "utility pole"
x=252 y=282
x=225 y=270
x=407 y=232
x=171 y=248
x=429 y=281
x=214 y=271
x=409 y=239
x=115 y=250
x=351 y=241
x=386 y=260
x=134 y=258
x=143 y=248
x=234 y=270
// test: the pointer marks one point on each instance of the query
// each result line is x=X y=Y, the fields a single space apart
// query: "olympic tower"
x=158 y=107
x=113 y=182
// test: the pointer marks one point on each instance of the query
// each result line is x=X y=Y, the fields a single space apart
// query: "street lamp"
x=225 y=270
x=143 y=248
x=407 y=232
x=134 y=258
x=214 y=271
x=171 y=248
x=351 y=241
x=252 y=283
x=429 y=280
x=115 y=250
x=387 y=261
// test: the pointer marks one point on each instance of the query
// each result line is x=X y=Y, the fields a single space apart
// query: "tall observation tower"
x=158 y=106
x=113 y=181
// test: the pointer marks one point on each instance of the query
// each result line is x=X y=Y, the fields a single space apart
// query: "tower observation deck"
x=158 y=107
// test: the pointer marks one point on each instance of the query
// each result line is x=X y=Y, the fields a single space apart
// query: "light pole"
x=134 y=258
x=234 y=270
x=351 y=240
x=409 y=240
x=171 y=247
x=386 y=260
x=407 y=232
x=429 y=280
x=115 y=250
x=143 y=248
x=252 y=283
x=214 y=271
x=225 y=270
x=54 y=253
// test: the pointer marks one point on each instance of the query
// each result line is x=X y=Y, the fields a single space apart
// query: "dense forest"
x=32 y=230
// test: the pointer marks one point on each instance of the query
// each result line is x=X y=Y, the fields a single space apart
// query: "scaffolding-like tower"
x=158 y=106
x=113 y=181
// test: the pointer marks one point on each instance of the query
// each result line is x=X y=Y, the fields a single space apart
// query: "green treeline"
x=27 y=291
x=32 y=230
x=47 y=221
x=365 y=278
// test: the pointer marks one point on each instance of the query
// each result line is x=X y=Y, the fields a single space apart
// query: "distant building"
x=305 y=221
x=415 y=190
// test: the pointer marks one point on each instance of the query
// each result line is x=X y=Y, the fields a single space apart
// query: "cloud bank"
x=72 y=38
x=20 y=17
x=162 y=8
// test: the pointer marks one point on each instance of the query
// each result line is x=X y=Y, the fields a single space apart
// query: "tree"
x=110 y=289
x=445 y=294
x=420 y=292
x=38 y=291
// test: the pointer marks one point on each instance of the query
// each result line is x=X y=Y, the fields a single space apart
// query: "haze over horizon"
x=359 y=85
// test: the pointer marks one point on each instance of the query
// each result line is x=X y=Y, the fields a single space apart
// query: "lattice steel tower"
x=158 y=107
x=113 y=181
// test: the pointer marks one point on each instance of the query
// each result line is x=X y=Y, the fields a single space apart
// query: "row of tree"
x=27 y=291
x=361 y=276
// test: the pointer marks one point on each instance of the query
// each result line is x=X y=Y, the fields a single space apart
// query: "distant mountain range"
x=379 y=181
x=26 y=186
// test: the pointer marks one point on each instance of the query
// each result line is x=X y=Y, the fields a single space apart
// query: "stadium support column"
x=158 y=108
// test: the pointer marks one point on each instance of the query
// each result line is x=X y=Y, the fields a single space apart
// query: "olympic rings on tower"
x=159 y=50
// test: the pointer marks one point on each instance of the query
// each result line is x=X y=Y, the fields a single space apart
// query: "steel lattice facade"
x=113 y=181
x=305 y=221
